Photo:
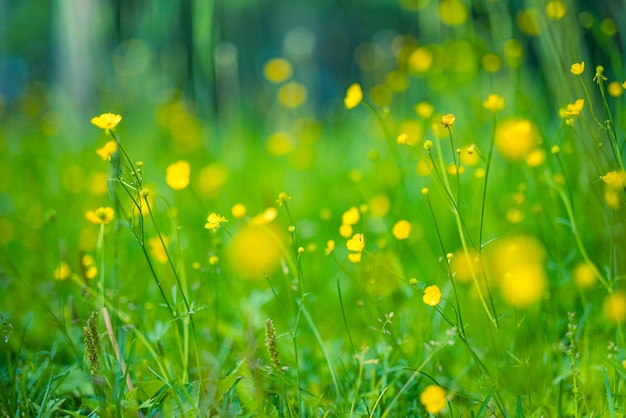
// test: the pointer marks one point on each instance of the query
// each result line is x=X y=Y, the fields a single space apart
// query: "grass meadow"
x=365 y=209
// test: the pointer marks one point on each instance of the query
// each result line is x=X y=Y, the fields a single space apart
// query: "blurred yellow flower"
x=157 y=250
x=573 y=109
x=330 y=247
x=428 y=144
x=464 y=266
x=107 y=151
x=401 y=230
x=62 y=272
x=584 y=275
x=102 y=215
x=452 y=12
x=277 y=70
x=266 y=217
x=354 y=95
x=536 y=157
x=356 y=243
x=555 y=10
x=351 y=216
x=177 y=175
x=615 y=89
x=515 y=138
x=106 y=121
x=433 y=398
x=292 y=95
x=614 y=307
x=214 y=221
x=432 y=295
x=238 y=211
x=578 y=68
x=402 y=139
x=494 y=102
x=282 y=198
x=355 y=257
x=615 y=179
x=448 y=120
x=346 y=230
x=424 y=110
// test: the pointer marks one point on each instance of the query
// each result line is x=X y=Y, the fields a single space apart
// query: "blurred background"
x=191 y=80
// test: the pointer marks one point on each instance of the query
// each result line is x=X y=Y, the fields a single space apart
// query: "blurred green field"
x=373 y=208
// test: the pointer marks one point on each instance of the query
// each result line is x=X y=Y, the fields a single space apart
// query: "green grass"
x=150 y=314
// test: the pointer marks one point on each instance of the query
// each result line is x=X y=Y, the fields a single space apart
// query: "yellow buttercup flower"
x=578 y=68
x=428 y=144
x=356 y=243
x=351 y=216
x=494 y=102
x=573 y=109
x=448 y=120
x=177 y=175
x=62 y=272
x=354 y=95
x=277 y=70
x=214 y=221
x=106 y=121
x=432 y=295
x=433 y=398
x=238 y=211
x=330 y=247
x=107 y=151
x=402 y=229
x=102 y=215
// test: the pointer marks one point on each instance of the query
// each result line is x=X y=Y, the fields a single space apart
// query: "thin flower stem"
x=579 y=243
x=456 y=168
x=388 y=138
x=443 y=250
x=580 y=77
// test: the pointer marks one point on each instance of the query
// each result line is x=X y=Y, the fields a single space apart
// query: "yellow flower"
x=432 y=296
x=214 y=221
x=448 y=120
x=62 y=272
x=402 y=139
x=494 y=102
x=573 y=109
x=355 y=257
x=354 y=95
x=346 y=230
x=614 y=307
x=428 y=144
x=106 y=121
x=584 y=275
x=424 y=109
x=282 y=198
x=615 y=179
x=433 y=398
x=401 y=230
x=265 y=218
x=578 y=68
x=107 y=151
x=351 y=216
x=555 y=10
x=330 y=247
x=156 y=249
x=102 y=215
x=515 y=138
x=238 y=211
x=177 y=175
x=356 y=243
x=277 y=70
